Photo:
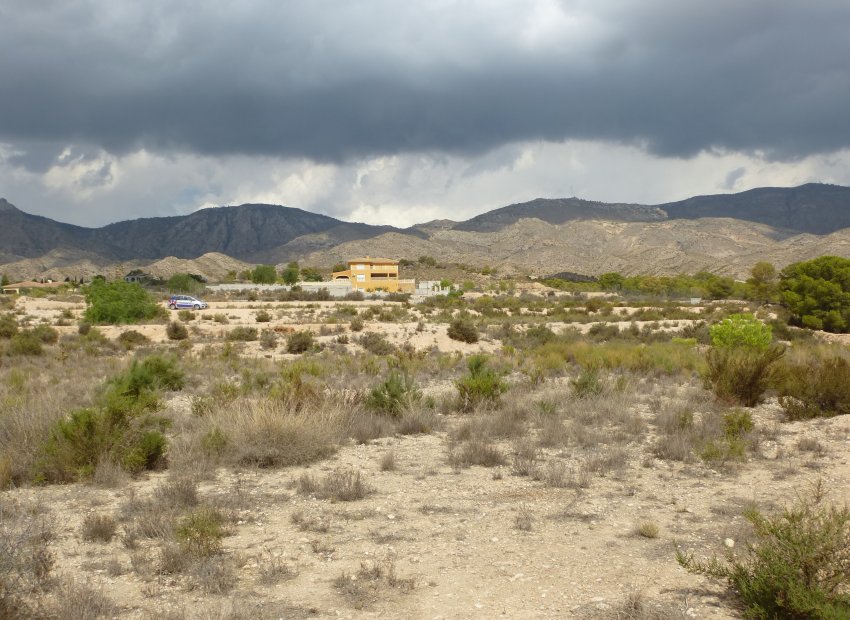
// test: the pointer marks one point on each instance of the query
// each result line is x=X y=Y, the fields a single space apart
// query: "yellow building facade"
x=372 y=274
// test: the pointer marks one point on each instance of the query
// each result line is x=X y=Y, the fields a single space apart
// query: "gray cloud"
x=336 y=81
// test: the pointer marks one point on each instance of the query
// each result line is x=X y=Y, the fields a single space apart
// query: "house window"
x=360 y=266
x=361 y=277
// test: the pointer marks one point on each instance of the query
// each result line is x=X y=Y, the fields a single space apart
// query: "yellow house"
x=371 y=274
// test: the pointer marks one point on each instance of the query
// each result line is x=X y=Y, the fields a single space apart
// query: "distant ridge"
x=722 y=233
x=814 y=208
x=560 y=211
x=248 y=232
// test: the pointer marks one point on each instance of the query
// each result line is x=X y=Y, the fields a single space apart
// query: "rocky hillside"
x=781 y=225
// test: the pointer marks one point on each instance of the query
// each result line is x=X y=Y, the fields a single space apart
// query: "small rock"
x=729 y=543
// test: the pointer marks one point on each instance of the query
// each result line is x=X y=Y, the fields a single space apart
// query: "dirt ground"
x=477 y=542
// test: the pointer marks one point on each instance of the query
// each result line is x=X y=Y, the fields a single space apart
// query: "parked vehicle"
x=181 y=302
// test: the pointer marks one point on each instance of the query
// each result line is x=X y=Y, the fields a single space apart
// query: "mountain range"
x=724 y=233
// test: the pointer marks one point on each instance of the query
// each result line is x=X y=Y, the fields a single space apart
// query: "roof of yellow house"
x=374 y=260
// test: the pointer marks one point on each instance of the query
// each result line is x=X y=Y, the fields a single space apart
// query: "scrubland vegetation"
x=362 y=455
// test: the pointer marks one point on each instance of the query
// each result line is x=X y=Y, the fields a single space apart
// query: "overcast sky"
x=401 y=112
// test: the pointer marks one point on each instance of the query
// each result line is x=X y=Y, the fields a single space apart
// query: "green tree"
x=291 y=273
x=817 y=292
x=118 y=302
x=4 y=280
x=264 y=274
x=340 y=267
x=611 y=281
x=762 y=281
x=183 y=283
x=310 y=274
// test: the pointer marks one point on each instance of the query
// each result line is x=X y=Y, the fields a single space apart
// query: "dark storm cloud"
x=331 y=80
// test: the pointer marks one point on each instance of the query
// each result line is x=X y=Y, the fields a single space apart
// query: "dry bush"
x=26 y=562
x=609 y=460
x=109 y=475
x=81 y=602
x=559 y=475
x=343 y=485
x=365 y=587
x=475 y=452
x=638 y=607
x=272 y=569
x=524 y=519
x=98 y=528
x=320 y=524
x=418 y=421
x=524 y=459
x=388 y=461
x=365 y=426
x=177 y=492
x=647 y=529
x=270 y=433
x=213 y=575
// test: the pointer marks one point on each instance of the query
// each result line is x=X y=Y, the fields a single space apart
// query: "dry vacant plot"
x=541 y=505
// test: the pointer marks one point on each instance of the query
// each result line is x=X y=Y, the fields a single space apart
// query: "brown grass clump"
x=269 y=433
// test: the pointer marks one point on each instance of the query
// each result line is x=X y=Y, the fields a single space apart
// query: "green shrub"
x=46 y=334
x=300 y=342
x=799 y=566
x=119 y=302
x=394 y=394
x=263 y=317
x=268 y=339
x=741 y=375
x=131 y=339
x=816 y=389
x=741 y=330
x=243 y=334
x=200 y=532
x=214 y=442
x=25 y=343
x=463 y=330
x=482 y=384
x=8 y=326
x=356 y=324
x=155 y=372
x=176 y=331
x=587 y=383
x=376 y=344
x=185 y=315
x=734 y=442
x=77 y=444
